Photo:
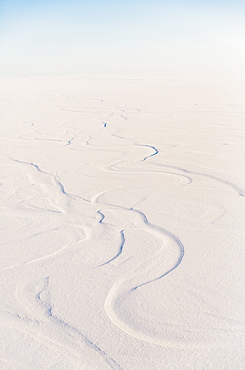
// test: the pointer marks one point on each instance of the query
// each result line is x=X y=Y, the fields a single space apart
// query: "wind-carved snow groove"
x=156 y=151
x=121 y=115
x=61 y=200
x=178 y=242
x=73 y=242
x=166 y=260
x=87 y=143
x=111 y=168
x=41 y=311
x=69 y=141
x=38 y=310
x=238 y=190
x=46 y=173
x=156 y=230
x=111 y=362
x=136 y=110
x=102 y=216
x=120 y=250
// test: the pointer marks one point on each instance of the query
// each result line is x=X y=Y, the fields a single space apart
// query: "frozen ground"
x=122 y=222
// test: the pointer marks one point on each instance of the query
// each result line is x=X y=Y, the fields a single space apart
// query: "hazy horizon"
x=113 y=37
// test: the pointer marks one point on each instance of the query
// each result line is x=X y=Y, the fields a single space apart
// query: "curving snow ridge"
x=122 y=223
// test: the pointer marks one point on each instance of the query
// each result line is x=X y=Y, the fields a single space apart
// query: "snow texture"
x=122 y=222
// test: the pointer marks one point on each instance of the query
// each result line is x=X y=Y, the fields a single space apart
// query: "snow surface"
x=122 y=221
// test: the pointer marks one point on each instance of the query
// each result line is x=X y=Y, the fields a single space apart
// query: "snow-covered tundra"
x=122 y=222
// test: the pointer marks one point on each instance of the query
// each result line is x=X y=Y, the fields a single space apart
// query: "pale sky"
x=112 y=36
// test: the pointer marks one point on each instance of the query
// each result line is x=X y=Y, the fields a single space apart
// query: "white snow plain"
x=122 y=222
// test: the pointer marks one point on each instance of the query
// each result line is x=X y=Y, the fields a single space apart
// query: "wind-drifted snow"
x=122 y=222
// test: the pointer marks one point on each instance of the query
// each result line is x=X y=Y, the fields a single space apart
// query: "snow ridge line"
x=239 y=190
x=111 y=362
x=181 y=249
x=156 y=151
x=158 y=231
x=120 y=250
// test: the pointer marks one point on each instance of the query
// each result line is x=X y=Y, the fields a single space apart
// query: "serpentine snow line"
x=123 y=288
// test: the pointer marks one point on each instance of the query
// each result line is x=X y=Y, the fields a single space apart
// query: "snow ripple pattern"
x=83 y=251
